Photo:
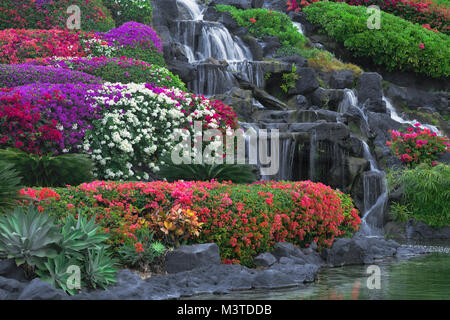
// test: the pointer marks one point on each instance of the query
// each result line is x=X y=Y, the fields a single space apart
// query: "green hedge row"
x=398 y=44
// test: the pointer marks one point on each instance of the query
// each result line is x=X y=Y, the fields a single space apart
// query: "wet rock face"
x=306 y=83
x=341 y=79
x=370 y=92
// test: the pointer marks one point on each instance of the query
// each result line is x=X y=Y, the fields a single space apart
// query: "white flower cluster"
x=98 y=48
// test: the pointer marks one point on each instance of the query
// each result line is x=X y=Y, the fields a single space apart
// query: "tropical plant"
x=400 y=212
x=9 y=185
x=55 y=271
x=142 y=252
x=80 y=234
x=28 y=236
x=99 y=268
x=49 y=170
x=427 y=193
x=289 y=79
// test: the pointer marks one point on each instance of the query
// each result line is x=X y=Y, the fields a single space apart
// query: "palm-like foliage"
x=28 y=236
x=9 y=185
x=49 y=170
x=204 y=172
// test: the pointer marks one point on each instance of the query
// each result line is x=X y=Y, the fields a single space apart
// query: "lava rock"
x=10 y=288
x=296 y=59
x=420 y=230
x=369 y=87
x=300 y=102
x=327 y=98
x=9 y=269
x=375 y=106
x=255 y=48
x=306 y=83
x=40 y=290
x=268 y=101
x=265 y=259
x=341 y=79
x=270 y=45
x=189 y=257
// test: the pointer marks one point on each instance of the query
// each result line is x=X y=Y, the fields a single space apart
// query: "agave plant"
x=79 y=235
x=99 y=268
x=28 y=236
x=57 y=271
x=9 y=185
x=236 y=173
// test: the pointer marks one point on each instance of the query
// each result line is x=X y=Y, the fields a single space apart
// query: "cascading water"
x=395 y=116
x=215 y=52
x=374 y=181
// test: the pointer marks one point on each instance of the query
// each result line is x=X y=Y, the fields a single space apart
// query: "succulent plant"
x=28 y=236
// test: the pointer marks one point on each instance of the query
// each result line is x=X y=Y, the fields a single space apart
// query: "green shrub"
x=49 y=170
x=426 y=193
x=9 y=185
x=263 y=22
x=398 y=44
x=204 y=172
x=130 y=10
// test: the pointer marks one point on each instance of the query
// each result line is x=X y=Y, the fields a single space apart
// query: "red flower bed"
x=424 y=12
x=418 y=145
x=22 y=128
x=20 y=45
x=243 y=220
x=50 y=14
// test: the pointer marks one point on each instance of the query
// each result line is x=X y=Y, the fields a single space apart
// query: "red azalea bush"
x=417 y=145
x=430 y=15
x=50 y=14
x=22 y=128
x=243 y=220
x=20 y=45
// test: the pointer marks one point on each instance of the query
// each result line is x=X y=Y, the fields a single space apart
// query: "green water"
x=425 y=277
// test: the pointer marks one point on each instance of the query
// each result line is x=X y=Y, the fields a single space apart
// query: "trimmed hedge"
x=130 y=10
x=398 y=45
x=243 y=220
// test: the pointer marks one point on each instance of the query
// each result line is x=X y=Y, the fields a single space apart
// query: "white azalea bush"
x=138 y=126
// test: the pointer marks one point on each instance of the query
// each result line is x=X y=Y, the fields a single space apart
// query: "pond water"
x=424 y=277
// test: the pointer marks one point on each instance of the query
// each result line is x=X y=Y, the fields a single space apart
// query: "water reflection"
x=426 y=277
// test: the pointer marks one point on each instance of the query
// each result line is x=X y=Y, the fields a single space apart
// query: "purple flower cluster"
x=23 y=74
x=71 y=105
x=133 y=34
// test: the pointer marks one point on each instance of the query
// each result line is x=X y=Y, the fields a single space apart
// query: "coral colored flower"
x=421 y=46
x=253 y=20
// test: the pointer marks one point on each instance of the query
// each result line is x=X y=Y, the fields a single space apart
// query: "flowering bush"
x=19 y=45
x=139 y=125
x=417 y=145
x=134 y=10
x=22 y=74
x=136 y=40
x=22 y=128
x=430 y=15
x=121 y=69
x=69 y=105
x=243 y=220
x=49 y=14
x=395 y=45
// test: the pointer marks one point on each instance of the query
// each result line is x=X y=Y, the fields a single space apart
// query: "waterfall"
x=202 y=40
x=299 y=27
x=193 y=8
x=395 y=116
x=349 y=100
x=312 y=155
x=375 y=196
